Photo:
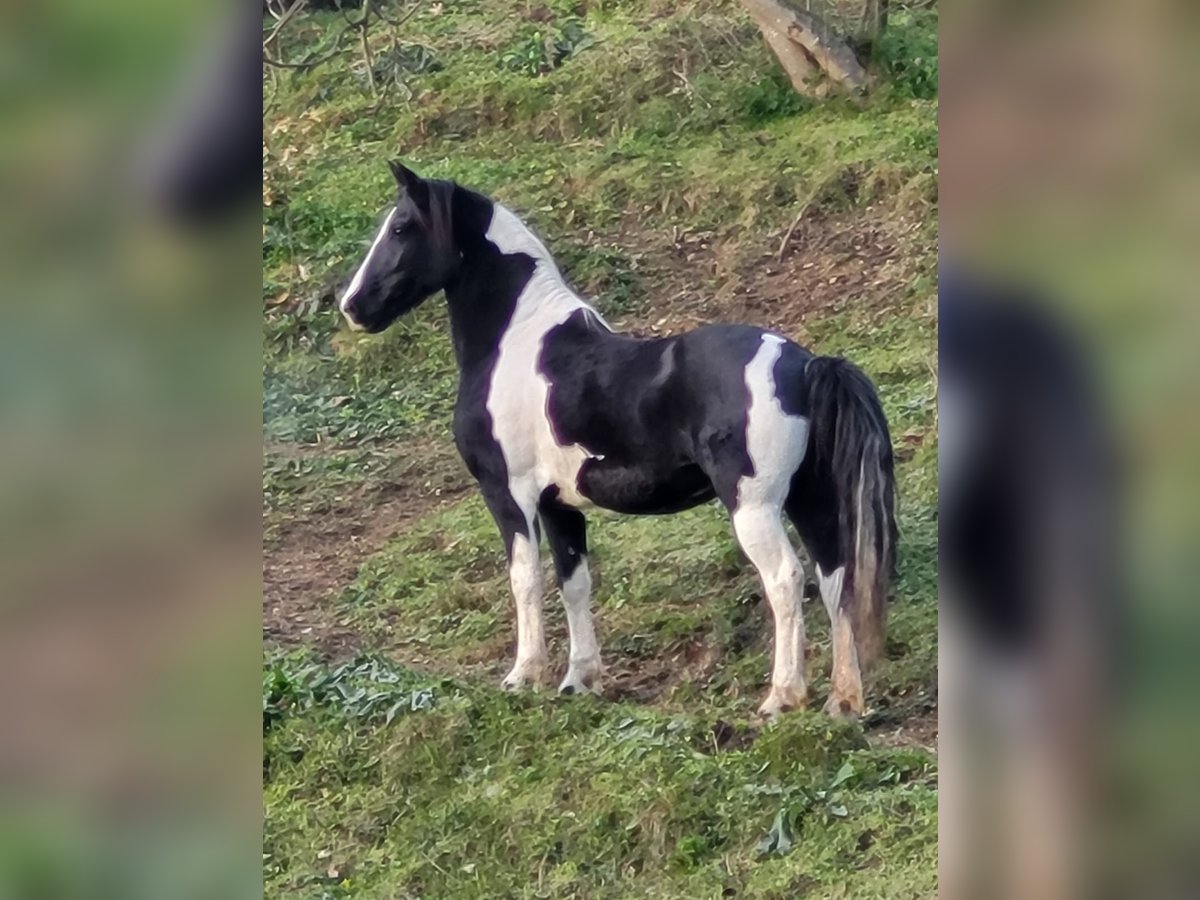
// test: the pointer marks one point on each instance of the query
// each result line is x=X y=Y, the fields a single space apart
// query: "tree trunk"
x=804 y=45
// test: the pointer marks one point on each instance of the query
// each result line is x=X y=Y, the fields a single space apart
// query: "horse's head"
x=412 y=257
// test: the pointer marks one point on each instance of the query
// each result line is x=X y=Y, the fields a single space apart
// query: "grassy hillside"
x=663 y=157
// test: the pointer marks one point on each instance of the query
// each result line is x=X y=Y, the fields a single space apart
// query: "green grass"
x=382 y=782
x=612 y=127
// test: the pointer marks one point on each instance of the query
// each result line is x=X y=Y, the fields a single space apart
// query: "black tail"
x=851 y=445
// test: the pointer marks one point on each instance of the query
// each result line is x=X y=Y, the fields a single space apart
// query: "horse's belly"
x=640 y=490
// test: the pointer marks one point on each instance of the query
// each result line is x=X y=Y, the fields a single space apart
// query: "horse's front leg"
x=531 y=668
x=566 y=532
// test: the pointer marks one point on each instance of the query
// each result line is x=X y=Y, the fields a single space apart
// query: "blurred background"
x=1069 y=205
x=129 y=423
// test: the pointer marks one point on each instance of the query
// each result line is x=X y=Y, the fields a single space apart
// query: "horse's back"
x=623 y=396
x=716 y=362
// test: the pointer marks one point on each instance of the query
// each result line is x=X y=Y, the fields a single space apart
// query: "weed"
x=908 y=53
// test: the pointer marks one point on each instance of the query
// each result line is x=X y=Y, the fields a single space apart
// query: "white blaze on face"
x=356 y=282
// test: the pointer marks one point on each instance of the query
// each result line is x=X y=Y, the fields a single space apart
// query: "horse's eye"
x=399 y=230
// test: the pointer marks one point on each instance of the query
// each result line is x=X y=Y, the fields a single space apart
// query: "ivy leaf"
x=779 y=839
x=844 y=774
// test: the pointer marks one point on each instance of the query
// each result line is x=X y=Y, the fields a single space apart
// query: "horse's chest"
x=518 y=405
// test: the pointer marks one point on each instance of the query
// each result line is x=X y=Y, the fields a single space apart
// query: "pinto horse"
x=556 y=412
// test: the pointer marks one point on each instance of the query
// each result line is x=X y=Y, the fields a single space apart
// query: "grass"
x=631 y=136
x=467 y=793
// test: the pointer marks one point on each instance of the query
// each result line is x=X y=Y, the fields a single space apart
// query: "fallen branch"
x=787 y=238
x=308 y=63
x=371 y=9
x=281 y=20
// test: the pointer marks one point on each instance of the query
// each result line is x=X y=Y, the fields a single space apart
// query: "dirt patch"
x=656 y=676
x=826 y=265
x=920 y=731
x=827 y=262
x=315 y=554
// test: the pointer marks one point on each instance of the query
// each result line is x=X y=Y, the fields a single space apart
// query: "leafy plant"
x=399 y=62
x=366 y=688
x=539 y=52
x=908 y=53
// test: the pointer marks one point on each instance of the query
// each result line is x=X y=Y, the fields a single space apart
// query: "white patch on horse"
x=357 y=281
x=511 y=235
x=519 y=394
x=776 y=443
x=583 y=669
x=666 y=366
x=595 y=321
x=775 y=440
x=831 y=589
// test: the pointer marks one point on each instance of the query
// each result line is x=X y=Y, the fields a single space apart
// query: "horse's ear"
x=411 y=183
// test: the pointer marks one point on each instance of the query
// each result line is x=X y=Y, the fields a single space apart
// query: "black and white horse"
x=556 y=412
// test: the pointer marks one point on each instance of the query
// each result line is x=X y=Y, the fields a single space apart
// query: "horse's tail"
x=851 y=444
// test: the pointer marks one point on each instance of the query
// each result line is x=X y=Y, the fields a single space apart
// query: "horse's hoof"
x=782 y=700
x=848 y=708
x=528 y=675
x=572 y=686
x=581 y=679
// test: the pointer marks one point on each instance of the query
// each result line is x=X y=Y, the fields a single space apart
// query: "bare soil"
x=314 y=557
x=828 y=262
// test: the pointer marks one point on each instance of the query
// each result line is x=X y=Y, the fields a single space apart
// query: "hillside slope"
x=663 y=157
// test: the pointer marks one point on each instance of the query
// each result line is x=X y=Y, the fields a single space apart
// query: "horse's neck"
x=510 y=235
x=497 y=291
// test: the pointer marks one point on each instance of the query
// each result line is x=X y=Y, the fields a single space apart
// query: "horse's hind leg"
x=759 y=529
x=753 y=482
x=814 y=514
x=846 y=695
x=566 y=532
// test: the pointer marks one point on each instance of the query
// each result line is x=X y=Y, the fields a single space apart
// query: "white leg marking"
x=583 y=669
x=776 y=444
x=525 y=573
x=761 y=534
x=831 y=589
x=357 y=281
x=846 y=696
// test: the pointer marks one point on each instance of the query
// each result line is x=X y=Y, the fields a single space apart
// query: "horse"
x=556 y=412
